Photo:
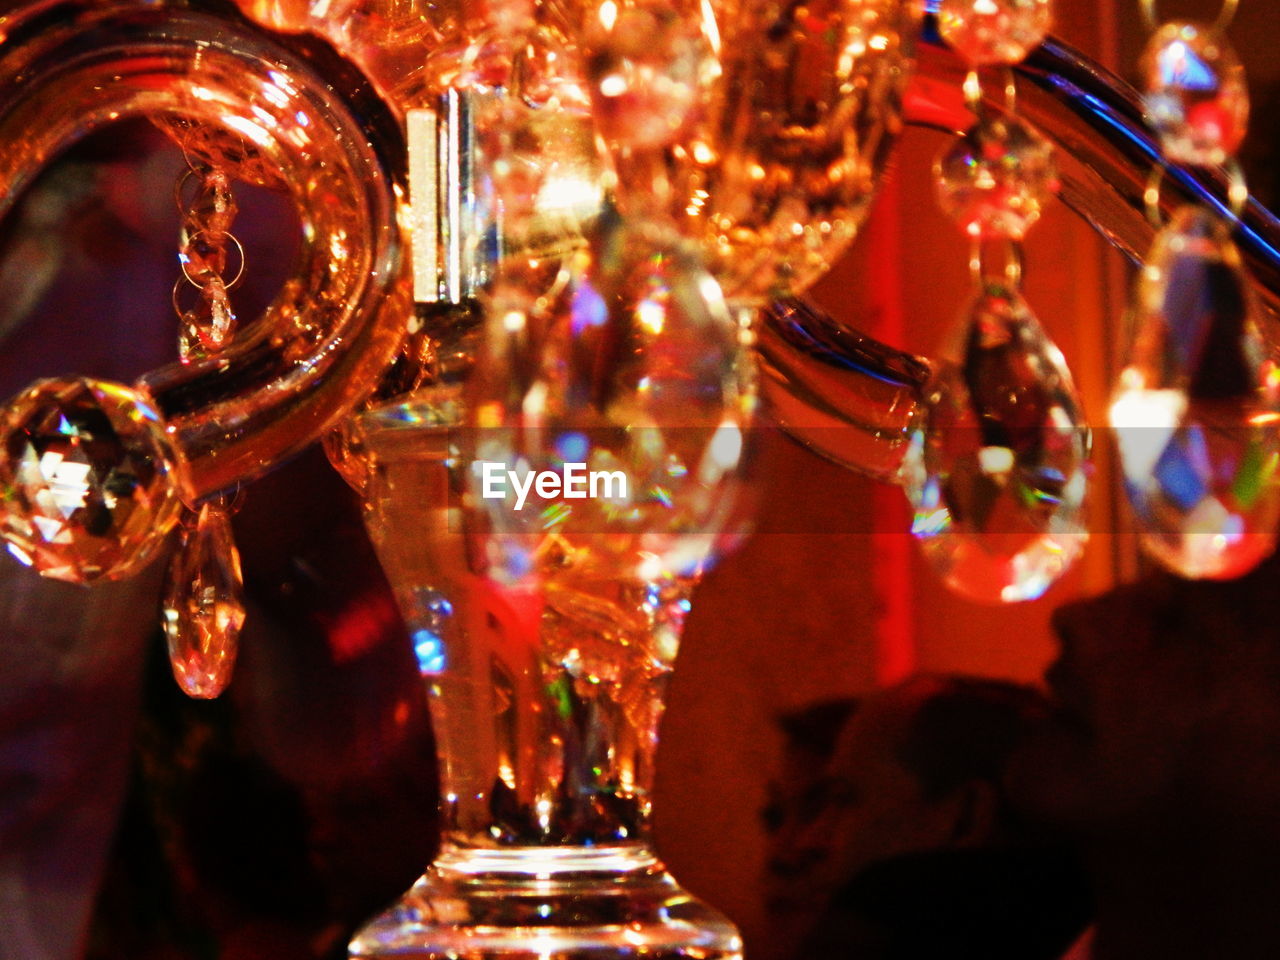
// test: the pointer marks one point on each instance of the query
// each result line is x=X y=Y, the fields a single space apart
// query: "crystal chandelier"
x=546 y=236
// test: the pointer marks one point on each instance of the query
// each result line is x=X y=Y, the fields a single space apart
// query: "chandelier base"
x=537 y=903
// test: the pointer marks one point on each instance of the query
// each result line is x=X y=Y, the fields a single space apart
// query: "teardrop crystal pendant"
x=1196 y=408
x=204 y=604
x=996 y=467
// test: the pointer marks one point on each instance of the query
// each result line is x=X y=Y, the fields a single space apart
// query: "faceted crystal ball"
x=87 y=488
x=994 y=31
x=1196 y=96
x=996 y=178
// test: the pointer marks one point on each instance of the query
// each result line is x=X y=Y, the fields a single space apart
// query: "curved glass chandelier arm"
x=69 y=68
x=848 y=397
x=839 y=392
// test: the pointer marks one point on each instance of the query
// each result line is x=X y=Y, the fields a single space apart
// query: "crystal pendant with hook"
x=1196 y=407
x=996 y=466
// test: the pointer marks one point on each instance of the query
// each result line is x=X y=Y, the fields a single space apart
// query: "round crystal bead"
x=994 y=31
x=1196 y=94
x=88 y=493
x=995 y=178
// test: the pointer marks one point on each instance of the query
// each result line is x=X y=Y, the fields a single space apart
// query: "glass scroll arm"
x=70 y=67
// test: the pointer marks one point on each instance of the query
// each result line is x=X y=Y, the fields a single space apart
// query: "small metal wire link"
x=1237 y=193
x=1225 y=15
x=228 y=284
x=981 y=254
x=974 y=90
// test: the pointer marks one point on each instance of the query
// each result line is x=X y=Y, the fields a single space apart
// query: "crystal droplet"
x=206 y=327
x=636 y=372
x=204 y=604
x=994 y=31
x=85 y=469
x=212 y=207
x=1196 y=94
x=995 y=179
x=1196 y=409
x=650 y=63
x=995 y=470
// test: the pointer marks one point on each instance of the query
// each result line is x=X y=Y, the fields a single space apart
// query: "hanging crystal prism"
x=1196 y=407
x=203 y=598
x=204 y=603
x=996 y=469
